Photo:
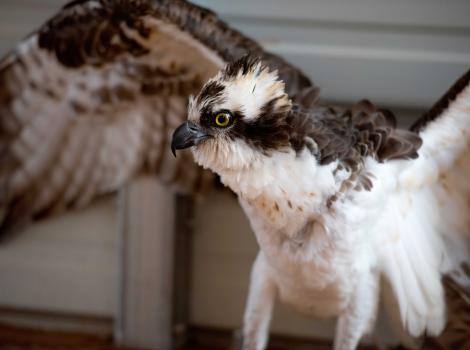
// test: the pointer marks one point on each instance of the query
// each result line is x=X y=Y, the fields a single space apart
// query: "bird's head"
x=238 y=117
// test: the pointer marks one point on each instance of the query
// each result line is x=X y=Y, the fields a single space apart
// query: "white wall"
x=398 y=53
x=63 y=272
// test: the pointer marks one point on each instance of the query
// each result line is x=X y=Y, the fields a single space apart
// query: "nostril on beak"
x=193 y=127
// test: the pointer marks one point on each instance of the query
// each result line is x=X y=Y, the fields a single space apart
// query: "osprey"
x=338 y=199
x=90 y=100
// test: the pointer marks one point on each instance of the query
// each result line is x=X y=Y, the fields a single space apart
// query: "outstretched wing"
x=429 y=226
x=443 y=165
x=91 y=98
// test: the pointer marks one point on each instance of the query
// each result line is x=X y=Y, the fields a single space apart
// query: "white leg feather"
x=359 y=317
x=259 y=307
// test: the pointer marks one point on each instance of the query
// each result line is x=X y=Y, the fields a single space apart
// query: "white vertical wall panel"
x=64 y=264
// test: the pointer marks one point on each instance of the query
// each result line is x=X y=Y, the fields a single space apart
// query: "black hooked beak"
x=187 y=135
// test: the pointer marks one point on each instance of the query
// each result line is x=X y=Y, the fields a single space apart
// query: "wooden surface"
x=15 y=338
x=198 y=338
x=207 y=338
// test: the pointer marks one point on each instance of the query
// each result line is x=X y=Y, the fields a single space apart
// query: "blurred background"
x=92 y=272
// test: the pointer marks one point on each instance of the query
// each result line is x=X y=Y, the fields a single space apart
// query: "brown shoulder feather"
x=352 y=134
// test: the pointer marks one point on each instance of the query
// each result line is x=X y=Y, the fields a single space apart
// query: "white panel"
x=429 y=13
x=349 y=75
x=396 y=53
x=63 y=264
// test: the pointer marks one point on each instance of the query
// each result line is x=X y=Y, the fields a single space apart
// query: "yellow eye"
x=222 y=119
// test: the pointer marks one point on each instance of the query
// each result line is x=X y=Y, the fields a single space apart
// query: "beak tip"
x=173 y=150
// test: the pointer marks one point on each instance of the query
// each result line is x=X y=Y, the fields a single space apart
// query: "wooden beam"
x=182 y=269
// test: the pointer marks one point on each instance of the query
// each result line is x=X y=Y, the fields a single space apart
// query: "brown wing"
x=91 y=99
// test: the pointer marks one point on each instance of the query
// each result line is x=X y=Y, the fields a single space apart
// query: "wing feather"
x=91 y=99
x=432 y=202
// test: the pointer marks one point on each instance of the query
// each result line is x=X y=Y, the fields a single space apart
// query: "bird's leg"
x=259 y=307
x=359 y=317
